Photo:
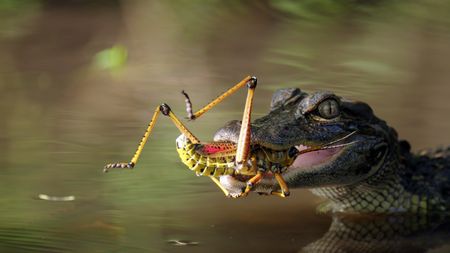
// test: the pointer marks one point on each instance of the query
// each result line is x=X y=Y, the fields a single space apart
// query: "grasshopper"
x=216 y=159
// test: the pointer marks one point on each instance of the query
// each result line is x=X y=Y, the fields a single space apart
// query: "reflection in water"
x=26 y=240
x=391 y=233
x=62 y=117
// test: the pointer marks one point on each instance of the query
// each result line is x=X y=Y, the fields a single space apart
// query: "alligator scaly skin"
x=415 y=183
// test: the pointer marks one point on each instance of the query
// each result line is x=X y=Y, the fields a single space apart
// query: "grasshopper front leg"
x=283 y=186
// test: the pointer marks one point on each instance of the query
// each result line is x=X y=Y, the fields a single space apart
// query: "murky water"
x=66 y=111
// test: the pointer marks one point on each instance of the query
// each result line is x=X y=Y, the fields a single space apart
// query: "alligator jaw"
x=307 y=158
x=303 y=162
x=313 y=158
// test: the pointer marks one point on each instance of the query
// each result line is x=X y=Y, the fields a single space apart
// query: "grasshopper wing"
x=216 y=149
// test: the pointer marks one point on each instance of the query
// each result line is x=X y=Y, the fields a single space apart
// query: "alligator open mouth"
x=303 y=157
x=305 y=160
x=313 y=158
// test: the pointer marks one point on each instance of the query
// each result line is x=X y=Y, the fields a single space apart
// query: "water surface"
x=66 y=111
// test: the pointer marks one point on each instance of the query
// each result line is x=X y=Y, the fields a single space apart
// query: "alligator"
x=367 y=170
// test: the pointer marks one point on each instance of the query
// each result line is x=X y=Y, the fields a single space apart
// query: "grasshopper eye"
x=328 y=109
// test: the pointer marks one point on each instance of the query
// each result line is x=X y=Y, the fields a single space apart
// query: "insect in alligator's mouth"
x=242 y=159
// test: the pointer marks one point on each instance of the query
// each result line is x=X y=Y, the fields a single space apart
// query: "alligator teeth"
x=301 y=147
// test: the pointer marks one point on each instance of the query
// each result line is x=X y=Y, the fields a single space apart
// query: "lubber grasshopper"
x=214 y=159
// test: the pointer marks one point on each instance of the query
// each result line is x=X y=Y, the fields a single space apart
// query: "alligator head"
x=351 y=145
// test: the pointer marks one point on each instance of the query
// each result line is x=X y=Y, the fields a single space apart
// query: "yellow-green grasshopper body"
x=215 y=159
x=218 y=158
x=203 y=164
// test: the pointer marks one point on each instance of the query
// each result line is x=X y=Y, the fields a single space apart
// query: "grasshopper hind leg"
x=166 y=111
x=109 y=166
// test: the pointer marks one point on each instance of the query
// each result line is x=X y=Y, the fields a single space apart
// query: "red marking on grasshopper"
x=216 y=148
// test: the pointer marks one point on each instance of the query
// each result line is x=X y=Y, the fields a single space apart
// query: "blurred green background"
x=80 y=79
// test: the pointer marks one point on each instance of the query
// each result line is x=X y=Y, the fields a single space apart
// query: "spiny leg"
x=243 y=145
x=165 y=110
x=284 y=188
x=213 y=103
x=139 y=149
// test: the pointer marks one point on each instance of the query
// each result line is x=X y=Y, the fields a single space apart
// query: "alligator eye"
x=328 y=109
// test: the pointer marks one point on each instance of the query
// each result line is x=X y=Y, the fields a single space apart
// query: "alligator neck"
x=401 y=185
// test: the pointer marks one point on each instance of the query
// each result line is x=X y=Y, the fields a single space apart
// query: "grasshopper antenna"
x=190 y=116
